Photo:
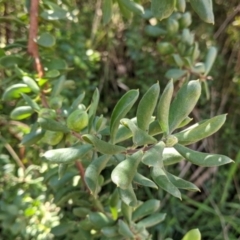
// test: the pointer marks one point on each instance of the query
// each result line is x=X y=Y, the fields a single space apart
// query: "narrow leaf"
x=161 y=179
x=140 y=137
x=200 y=131
x=204 y=9
x=15 y=91
x=107 y=11
x=164 y=107
x=93 y=108
x=147 y=208
x=31 y=83
x=141 y=180
x=146 y=107
x=171 y=156
x=202 y=159
x=30 y=102
x=93 y=170
x=124 y=229
x=181 y=183
x=210 y=59
x=183 y=103
x=32 y=137
x=52 y=125
x=121 y=109
x=152 y=220
x=102 y=146
x=21 y=112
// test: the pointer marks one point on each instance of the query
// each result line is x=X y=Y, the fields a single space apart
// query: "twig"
x=12 y=153
x=226 y=22
x=33 y=29
x=81 y=172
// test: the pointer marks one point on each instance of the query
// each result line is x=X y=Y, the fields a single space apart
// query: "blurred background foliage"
x=115 y=57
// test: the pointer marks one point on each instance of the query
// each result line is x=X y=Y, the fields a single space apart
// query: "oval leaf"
x=171 y=156
x=32 y=137
x=46 y=40
x=152 y=220
x=202 y=159
x=52 y=125
x=122 y=175
x=107 y=11
x=162 y=8
x=66 y=155
x=175 y=74
x=132 y=6
x=193 y=234
x=15 y=91
x=21 y=112
x=210 y=59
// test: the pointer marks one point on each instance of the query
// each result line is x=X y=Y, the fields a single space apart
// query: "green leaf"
x=128 y=196
x=55 y=64
x=175 y=74
x=152 y=220
x=30 y=102
x=154 y=128
x=21 y=112
x=124 y=11
x=202 y=159
x=81 y=212
x=92 y=172
x=140 y=137
x=181 y=5
x=162 y=8
x=107 y=11
x=154 y=31
x=10 y=61
x=93 y=108
x=210 y=59
x=141 y=180
x=62 y=169
x=123 y=174
x=66 y=155
x=124 y=229
x=121 y=109
x=100 y=220
x=161 y=179
x=77 y=101
x=193 y=234
x=171 y=156
x=200 y=131
x=154 y=155
x=178 y=60
x=31 y=83
x=145 y=209
x=185 y=122
x=52 y=125
x=132 y=6
x=110 y=231
x=46 y=40
x=113 y=204
x=183 y=103
x=102 y=146
x=164 y=107
x=32 y=137
x=146 y=107
x=55 y=13
x=52 y=74
x=181 y=183
x=204 y=9
x=15 y=91
x=126 y=211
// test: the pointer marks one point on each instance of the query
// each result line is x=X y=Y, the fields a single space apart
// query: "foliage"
x=123 y=164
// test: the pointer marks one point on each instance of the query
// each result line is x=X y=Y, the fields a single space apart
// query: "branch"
x=33 y=29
